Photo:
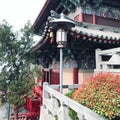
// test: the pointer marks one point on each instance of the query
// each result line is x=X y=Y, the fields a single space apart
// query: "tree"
x=16 y=62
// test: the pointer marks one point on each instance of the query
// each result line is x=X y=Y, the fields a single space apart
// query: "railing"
x=19 y=118
x=111 y=62
x=56 y=105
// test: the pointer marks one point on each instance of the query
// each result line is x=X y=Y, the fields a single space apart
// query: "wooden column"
x=75 y=75
x=81 y=17
x=47 y=75
x=42 y=76
x=94 y=19
x=50 y=76
x=54 y=76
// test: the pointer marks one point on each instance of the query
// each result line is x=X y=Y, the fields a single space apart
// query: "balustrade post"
x=81 y=117
x=62 y=114
x=45 y=94
x=98 y=59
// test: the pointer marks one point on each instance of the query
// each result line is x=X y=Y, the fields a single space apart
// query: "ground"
x=4 y=111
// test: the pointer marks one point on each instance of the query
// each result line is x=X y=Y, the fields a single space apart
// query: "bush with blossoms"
x=101 y=93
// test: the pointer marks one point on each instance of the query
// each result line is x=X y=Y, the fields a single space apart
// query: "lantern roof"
x=62 y=22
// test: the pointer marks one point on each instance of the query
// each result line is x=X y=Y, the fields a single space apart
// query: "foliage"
x=101 y=93
x=16 y=74
x=56 y=117
x=59 y=104
x=69 y=94
x=37 y=71
x=72 y=113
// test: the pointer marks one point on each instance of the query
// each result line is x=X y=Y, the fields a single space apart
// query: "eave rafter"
x=86 y=31
x=96 y=35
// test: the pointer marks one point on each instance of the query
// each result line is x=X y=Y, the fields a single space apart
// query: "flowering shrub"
x=101 y=93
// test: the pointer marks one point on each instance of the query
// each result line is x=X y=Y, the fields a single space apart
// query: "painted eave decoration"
x=89 y=32
x=67 y=6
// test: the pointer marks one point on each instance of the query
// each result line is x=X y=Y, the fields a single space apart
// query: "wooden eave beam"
x=115 y=3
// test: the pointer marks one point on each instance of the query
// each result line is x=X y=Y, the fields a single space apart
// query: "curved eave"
x=88 y=32
x=43 y=15
x=39 y=44
x=98 y=33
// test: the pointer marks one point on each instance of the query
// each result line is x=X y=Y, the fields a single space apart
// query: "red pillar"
x=81 y=17
x=94 y=19
x=54 y=76
x=50 y=76
x=75 y=75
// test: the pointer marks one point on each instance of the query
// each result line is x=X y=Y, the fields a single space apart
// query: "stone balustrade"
x=56 y=105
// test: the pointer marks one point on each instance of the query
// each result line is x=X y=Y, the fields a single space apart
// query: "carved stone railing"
x=111 y=61
x=56 y=105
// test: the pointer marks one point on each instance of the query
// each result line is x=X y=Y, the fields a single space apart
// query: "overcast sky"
x=18 y=12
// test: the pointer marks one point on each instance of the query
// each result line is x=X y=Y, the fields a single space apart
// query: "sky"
x=18 y=12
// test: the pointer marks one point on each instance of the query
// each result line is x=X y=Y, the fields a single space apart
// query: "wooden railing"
x=19 y=118
x=27 y=116
x=56 y=105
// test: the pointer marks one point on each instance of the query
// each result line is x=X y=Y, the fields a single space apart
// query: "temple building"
x=97 y=25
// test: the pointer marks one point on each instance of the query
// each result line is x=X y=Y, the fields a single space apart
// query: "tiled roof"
x=88 y=31
x=94 y=30
x=98 y=33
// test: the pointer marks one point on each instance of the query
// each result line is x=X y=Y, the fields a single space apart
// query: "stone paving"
x=4 y=111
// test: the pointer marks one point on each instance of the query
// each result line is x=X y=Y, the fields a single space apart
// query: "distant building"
x=97 y=26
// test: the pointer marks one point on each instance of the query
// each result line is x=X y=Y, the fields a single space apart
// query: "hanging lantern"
x=51 y=34
x=61 y=25
x=61 y=38
x=51 y=37
x=51 y=40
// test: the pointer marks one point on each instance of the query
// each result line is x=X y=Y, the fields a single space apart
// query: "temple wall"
x=82 y=76
x=68 y=76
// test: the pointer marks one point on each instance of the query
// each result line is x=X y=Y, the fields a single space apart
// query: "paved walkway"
x=4 y=111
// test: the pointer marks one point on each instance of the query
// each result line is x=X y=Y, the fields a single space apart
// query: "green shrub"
x=56 y=117
x=101 y=93
x=73 y=115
